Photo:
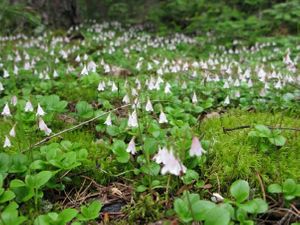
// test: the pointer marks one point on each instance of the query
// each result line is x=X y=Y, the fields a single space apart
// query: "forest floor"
x=110 y=125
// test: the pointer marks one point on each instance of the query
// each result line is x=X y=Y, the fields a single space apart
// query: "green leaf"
x=217 y=216
x=90 y=212
x=190 y=176
x=275 y=188
x=141 y=188
x=4 y=162
x=278 y=140
x=263 y=131
x=119 y=149
x=67 y=215
x=84 y=110
x=7 y=196
x=289 y=187
x=38 y=180
x=150 y=146
x=190 y=207
x=151 y=169
x=113 y=130
x=240 y=190
x=255 y=206
x=10 y=215
x=182 y=210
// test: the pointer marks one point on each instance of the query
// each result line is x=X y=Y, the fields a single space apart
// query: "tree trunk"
x=59 y=13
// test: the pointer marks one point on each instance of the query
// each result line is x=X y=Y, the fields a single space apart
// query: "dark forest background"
x=228 y=18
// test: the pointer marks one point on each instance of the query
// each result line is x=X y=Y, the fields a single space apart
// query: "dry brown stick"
x=261 y=185
x=270 y=127
x=288 y=210
x=295 y=208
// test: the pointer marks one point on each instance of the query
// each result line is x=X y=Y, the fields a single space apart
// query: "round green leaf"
x=240 y=190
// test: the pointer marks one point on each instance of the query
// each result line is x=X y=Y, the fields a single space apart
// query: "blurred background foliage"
x=244 y=19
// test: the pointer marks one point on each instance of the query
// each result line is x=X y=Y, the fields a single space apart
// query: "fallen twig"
x=261 y=185
x=270 y=127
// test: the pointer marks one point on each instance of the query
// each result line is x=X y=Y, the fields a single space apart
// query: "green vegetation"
x=187 y=112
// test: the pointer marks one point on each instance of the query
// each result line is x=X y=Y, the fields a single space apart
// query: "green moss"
x=234 y=155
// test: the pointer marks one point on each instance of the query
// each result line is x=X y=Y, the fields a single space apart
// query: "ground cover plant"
x=119 y=125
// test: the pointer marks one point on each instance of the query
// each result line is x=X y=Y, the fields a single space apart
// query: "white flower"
x=16 y=70
x=6 y=110
x=108 y=120
x=55 y=74
x=12 y=132
x=132 y=120
x=5 y=74
x=40 y=111
x=84 y=71
x=227 y=101
x=14 y=100
x=114 y=88
x=92 y=66
x=217 y=198
x=226 y=84
x=101 y=86
x=7 y=143
x=196 y=148
x=28 y=107
x=194 y=98
x=149 y=107
x=170 y=163
x=126 y=99
x=161 y=156
x=167 y=88
x=43 y=127
x=1 y=87
x=131 y=147
x=162 y=117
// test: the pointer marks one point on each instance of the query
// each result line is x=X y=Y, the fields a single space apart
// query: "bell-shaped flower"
x=161 y=156
x=1 y=87
x=167 y=88
x=131 y=147
x=6 y=111
x=92 y=66
x=132 y=120
x=227 y=101
x=170 y=163
x=108 y=120
x=12 y=132
x=55 y=74
x=194 y=98
x=126 y=99
x=84 y=71
x=40 y=111
x=114 y=87
x=43 y=127
x=14 y=100
x=149 y=107
x=196 y=148
x=28 y=107
x=162 y=117
x=5 y=74
x=101 y=86
x=7 y=143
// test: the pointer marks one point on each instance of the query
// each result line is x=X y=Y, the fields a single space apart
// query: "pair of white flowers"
x=40 y=112
x=173 y=165
x=166 y=157
x=29 y=108
x=12 y=133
